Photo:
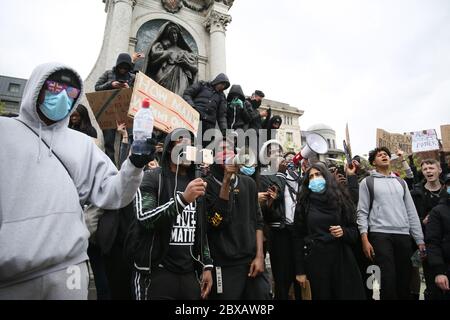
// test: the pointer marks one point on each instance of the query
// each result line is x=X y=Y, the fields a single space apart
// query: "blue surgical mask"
x=317 y=185
x=248 y=171
x=56 y=106
x=448 y=190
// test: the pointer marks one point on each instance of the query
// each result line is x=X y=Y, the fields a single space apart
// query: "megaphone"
x=315 y=143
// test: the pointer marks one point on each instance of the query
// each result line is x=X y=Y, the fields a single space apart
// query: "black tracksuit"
x=161 y=219
x=437 y=239
x=328 y=263
x=232 y=237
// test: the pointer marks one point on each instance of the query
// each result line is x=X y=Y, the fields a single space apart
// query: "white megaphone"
x=315 y=143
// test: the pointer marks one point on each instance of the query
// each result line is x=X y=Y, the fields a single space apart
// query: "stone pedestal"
x=216 y=23
x=204 y=21
x=126 y=30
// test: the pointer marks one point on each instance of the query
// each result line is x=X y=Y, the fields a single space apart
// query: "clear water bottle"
x=142 y=129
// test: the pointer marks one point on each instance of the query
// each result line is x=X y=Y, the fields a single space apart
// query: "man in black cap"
x=253 y=103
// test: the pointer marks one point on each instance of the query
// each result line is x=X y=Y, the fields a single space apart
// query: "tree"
x=2 y=107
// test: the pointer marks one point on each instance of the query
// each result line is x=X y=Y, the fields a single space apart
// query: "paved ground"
x=93 y=293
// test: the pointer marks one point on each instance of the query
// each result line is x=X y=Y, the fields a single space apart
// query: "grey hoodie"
x=391 y=213
x=42 y=228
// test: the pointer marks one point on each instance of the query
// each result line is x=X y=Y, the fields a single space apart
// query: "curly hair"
x=373 y=153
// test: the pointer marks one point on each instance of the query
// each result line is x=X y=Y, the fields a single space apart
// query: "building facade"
x=289 y=134
x=11 y=91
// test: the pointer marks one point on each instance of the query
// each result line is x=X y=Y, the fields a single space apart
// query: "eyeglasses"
x=57 y=87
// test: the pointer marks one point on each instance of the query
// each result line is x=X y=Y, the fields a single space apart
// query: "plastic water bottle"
x=142 y=129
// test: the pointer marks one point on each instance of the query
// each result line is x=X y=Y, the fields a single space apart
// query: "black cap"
x=259 y=93
x=67 y=77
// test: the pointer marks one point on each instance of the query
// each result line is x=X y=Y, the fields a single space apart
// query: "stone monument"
x=135 y=26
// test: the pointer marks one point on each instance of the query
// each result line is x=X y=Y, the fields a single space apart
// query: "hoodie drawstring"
x=50 y=153
x=40 y=138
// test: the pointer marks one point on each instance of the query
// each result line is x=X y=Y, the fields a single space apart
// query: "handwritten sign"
x=425 y=140
x=170 y=111
x=111 y=106
x=445 y=134
x=394 y=141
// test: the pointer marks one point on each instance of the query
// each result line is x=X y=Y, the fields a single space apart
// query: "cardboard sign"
x=394 y=141
x=445 y=134
x=425 y=140
x=111 y=106
x=170 y=111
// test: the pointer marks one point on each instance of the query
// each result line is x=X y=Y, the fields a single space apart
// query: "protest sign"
x=111 y=106
x=445 y=134
x=425 y=140
x=170 y=111
x=394 y=141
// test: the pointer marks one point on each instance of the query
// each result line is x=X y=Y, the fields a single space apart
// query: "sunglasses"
x=57 y=87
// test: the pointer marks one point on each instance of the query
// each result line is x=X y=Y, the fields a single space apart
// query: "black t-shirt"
x=179 y=258
x=431 y=200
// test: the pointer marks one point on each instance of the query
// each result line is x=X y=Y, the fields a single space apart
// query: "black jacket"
x=108 y=77
x=424 y=200
x=237 y=117
x=437 y=237
x=149 y=235
x=211 y=105
x=275 y=216
x=233 y=223
x=255 y=121
x=312 y=222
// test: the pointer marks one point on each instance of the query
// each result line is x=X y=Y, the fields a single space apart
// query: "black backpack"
x=370 y=186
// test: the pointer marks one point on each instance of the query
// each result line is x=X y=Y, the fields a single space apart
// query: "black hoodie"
x=149 y=236
x=107 y=78
x=237 y=116
x=233 y=223
x=437 y=237
x=211 y=104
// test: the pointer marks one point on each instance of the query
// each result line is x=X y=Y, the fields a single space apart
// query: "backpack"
x=370 y=186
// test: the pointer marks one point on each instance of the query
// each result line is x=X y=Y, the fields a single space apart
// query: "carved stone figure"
x=170 y=61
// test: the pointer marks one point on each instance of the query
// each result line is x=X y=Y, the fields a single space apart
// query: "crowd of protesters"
x=157 y=227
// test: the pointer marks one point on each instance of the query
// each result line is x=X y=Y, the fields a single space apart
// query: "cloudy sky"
x=371 y=63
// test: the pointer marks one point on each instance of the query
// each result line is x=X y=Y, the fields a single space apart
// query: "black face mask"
x=256 y=104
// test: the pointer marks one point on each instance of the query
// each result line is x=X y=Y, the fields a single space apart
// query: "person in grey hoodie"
x=48 y=172
x=387 y=218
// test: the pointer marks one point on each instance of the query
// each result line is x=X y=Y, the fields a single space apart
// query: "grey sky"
x=383 y=63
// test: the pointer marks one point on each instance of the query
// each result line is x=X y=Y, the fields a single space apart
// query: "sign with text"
x=445 y=134
x=111 y=106
x=425 y=140
x=394 y=141
x=170 y=111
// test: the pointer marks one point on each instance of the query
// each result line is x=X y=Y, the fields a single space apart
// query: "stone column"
x=120 y=29
x=216 y=24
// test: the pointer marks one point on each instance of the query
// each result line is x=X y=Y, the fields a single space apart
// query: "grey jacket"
x=393 y=210
x=42 y=228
